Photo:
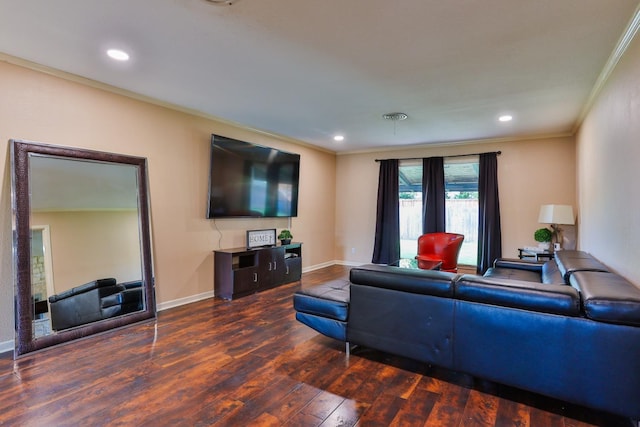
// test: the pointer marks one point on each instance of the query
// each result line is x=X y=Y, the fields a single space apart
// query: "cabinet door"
x=245 y=280
x=272 y=268
x=293 y=270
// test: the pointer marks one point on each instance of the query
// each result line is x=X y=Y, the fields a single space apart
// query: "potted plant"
x=543 y=237
x=285 y=237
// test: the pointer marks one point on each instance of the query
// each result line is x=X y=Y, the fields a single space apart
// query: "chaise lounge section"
x=568 y=328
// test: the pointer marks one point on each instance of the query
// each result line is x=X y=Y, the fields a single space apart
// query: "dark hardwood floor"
x=248 y=362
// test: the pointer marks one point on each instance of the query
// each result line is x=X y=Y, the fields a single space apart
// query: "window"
x=461 y=205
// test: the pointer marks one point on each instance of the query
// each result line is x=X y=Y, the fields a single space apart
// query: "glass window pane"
x=461 y=204
x=410 y=177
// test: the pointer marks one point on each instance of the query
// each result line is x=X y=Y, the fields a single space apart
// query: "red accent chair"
x=444 y=247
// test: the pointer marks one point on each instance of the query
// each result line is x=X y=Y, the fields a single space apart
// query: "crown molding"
x=620 y=49
x=458 y=143
x=24 y=63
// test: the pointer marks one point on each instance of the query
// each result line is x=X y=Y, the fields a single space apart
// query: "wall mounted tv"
x=251 y=181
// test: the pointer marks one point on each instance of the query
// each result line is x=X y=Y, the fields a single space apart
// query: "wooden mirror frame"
x=20 y=151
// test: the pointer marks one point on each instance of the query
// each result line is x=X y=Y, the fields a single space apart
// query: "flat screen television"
x=251 y=181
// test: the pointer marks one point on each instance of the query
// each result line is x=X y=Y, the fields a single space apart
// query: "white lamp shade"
x=556 y=214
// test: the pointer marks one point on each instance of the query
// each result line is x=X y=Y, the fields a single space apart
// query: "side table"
x=538 y=255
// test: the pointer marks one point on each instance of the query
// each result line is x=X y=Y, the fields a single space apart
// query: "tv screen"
x=249 y=180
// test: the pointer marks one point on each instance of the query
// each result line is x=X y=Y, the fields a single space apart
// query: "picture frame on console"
x=261 y=238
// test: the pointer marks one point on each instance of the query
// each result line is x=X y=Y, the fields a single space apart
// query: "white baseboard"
x=351 y=263
x=334 y=262
x=318 y=266
x=7 y=346
x=182 y=301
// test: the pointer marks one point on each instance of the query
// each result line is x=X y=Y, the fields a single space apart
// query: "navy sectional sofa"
x=568 y=328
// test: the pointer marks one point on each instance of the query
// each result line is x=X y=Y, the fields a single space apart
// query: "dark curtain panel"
x=433 y=213
x=386 y=249
x=489 y=234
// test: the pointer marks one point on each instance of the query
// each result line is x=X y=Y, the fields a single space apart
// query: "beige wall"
x=41 y=107
x=608 y=155
x=90 y=245
x=530 y=173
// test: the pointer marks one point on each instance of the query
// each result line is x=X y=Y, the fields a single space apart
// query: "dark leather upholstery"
x=93 y=301
x=331 y=299
x=543 y=272
x=430 y=282
x=575 y=359
x=607 y=297
x=416 y=325
x=556 y=299
x=132 y=298
x=324 y=308
x=332 y=328
x=571 y=261
x=104 y=287
x=577 y=342
x=403 y=311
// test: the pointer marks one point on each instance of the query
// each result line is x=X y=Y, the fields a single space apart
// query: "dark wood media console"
x=241 y=271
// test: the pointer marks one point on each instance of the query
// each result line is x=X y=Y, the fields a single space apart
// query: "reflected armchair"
x=443 y=247
x=93 y=301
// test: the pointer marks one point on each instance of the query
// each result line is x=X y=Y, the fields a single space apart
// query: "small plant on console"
x=543 y=237
x=285 y=237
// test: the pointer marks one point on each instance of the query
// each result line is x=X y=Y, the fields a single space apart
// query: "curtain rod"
x=455 y=155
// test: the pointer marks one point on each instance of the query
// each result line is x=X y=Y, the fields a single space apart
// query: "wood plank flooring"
x=249 y=363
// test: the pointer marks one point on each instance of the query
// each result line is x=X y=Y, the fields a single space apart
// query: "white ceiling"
x=310 y=69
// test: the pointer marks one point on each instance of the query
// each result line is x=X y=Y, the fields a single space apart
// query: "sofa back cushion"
x=571 y=261
x=554 y=299
x=106 y=287
x=513 y=274
x=427 y=282
x=608 y=297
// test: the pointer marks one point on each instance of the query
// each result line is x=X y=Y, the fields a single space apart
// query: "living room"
x=592 y=168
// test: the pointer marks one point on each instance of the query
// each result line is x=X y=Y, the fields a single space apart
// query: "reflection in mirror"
x=82 y=243
x=91 y=212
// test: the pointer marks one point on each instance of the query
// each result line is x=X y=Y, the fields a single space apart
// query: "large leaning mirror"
x=82 y=243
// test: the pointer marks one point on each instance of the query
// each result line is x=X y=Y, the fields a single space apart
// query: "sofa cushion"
x=528 y=271
x=608 y=297
x=571 y=261
x=554 y=299
x=513 y=274
x=427 y=282
x=328 y=300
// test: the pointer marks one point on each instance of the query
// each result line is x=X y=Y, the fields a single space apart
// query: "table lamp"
x=555 y=215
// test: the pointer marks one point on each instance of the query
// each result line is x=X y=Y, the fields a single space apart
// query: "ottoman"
x=324 y=308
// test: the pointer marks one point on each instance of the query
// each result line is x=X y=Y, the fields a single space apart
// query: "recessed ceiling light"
x=505 y=118
x=118 y=55
x=338 y=138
